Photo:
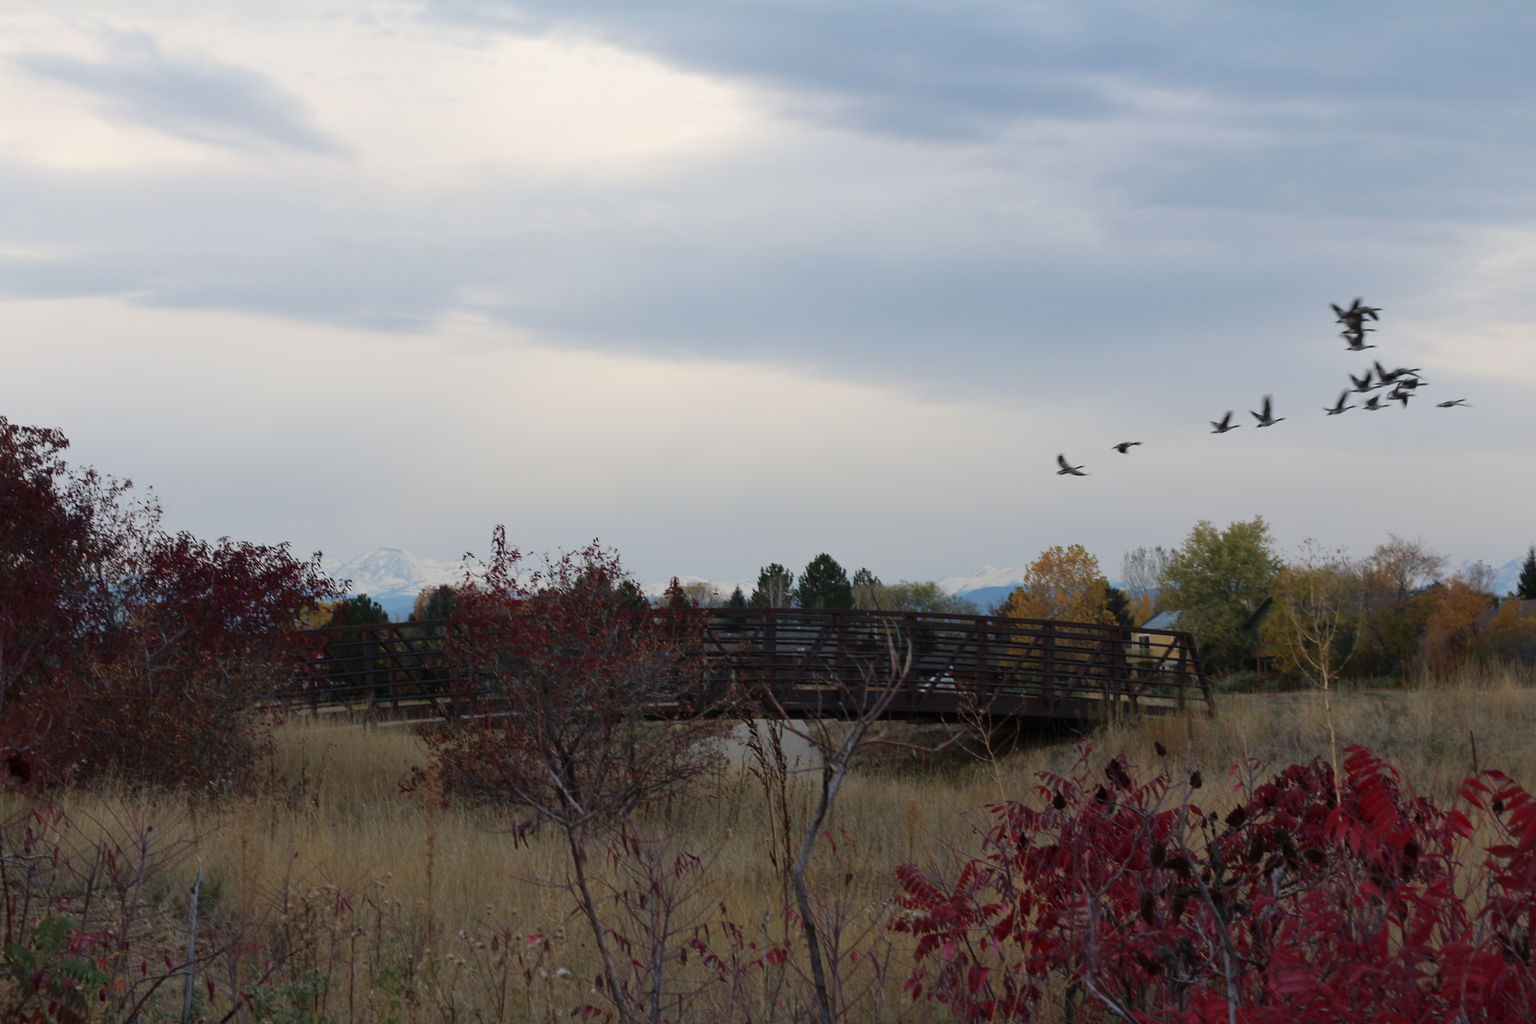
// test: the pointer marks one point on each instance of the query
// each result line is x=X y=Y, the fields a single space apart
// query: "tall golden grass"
x=394 y=905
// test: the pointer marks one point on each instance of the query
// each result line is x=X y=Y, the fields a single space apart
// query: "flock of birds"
x=1402 y=383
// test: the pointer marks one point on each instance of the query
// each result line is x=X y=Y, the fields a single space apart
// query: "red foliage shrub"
x=124 y=647
x=1299 y=903
x=562 y=667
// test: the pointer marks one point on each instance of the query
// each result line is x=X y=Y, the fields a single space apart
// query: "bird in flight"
x=1452 y=403
x=1125 y=446
x=1339 y=406
x=1393 y=376
x=1224 y=424
x=1373 y=403
x=1362 y=384
x=1355 y=316
x=1066 y=469
x=1266 y=418
x=1356 y=339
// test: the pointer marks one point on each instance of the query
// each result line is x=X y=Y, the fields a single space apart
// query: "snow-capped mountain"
x=986 y=587
x=393 y=577
x=986 y=577
x=1505 y=577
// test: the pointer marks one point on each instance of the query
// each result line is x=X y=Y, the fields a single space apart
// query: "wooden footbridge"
x=811 y=663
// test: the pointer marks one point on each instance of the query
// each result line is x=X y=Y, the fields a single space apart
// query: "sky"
x=729 y=284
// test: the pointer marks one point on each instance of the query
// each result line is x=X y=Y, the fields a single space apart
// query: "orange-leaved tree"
x=1452 y=626
x=1062 y=583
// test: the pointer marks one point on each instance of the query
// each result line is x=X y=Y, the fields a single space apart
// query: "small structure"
x=1151 y=648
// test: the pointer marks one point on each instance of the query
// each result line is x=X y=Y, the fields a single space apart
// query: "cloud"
x=972 y=68
x=190 y=97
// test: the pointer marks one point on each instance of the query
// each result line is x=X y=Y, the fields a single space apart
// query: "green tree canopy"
x=737 y=599
x=434 y=603
x=775 y=587
x=1216 y=580
x=824 y=584
x=926 y=596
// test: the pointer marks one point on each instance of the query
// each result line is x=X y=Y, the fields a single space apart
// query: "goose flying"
x=1339 y=406
x=1068 y=470
x=1224 y=424
x=1355 y=316
x=1267 y=417
x=1125 y=446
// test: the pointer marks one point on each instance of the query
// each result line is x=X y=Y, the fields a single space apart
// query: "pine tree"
x=1525 y=588
x=824 y=584
x=361 y=610
x=866 y=590
x=1118 y=603
x=775 y=587
x=676 y=596
x=737 y=599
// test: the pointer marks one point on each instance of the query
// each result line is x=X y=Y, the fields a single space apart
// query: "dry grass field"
x=359 y=901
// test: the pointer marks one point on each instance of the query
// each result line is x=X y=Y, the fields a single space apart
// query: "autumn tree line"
x=1322 y=614
x=1393 y=612
x=128 y=647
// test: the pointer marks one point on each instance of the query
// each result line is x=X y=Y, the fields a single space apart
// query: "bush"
x=561 y=667
x=1308 y=900
x=123 y=647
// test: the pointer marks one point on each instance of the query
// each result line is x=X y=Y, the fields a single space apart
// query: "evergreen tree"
x=866 y=590
x=1118 y=603
x=676 y=596
x=775 y=587
x=824 y=584
x=737 y=599
x=361 y=610
x=1525 y=588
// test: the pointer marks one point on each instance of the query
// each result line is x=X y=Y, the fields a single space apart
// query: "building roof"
x=1162 y=620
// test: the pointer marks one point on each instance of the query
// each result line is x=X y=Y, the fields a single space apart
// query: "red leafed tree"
x=122 y=646
x=1291 y=907
x=587 y=704
x=563 y=664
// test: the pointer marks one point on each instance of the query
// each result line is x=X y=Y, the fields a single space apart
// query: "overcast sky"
x=726 y=284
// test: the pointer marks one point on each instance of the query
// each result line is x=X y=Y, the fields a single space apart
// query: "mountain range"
x=394 y=577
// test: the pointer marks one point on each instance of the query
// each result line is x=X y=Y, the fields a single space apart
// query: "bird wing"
x=1061 y=460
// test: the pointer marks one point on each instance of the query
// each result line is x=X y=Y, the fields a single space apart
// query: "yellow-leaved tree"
x=1063 y=583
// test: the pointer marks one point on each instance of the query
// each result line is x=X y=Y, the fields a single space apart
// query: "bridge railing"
x=990 y=665
x=816 y=662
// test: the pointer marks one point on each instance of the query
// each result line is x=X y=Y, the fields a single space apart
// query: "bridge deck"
x=810 y=663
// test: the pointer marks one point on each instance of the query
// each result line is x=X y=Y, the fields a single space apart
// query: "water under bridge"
x=817 y=663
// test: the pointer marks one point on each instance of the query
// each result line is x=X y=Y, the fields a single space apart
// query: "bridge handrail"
x=800 y=655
